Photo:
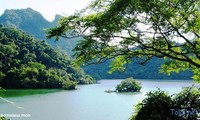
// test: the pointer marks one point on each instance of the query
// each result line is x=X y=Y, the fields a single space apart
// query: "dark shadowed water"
x=90 y=102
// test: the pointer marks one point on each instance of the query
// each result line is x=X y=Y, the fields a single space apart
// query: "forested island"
x=30 y=63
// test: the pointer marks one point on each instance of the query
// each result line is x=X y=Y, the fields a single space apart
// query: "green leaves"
x=176 y=66
x=2 y=118
x=196 y=75
x=69 y=85
x=158 y=105
x=118 y=64
x=138 y=29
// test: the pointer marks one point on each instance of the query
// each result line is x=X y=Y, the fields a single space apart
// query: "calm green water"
x=90 y=102
x=26 y=92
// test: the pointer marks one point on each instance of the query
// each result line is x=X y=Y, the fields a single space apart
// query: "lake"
x=89 y=102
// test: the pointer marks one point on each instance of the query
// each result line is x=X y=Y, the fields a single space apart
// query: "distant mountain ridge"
x=32 y=22
x=27 y=20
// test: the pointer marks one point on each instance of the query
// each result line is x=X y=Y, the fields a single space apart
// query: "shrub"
x=188 y=99
x=2 y=118
x=87 y=80
x=129 y=85
x=158 y=105
x=1 y=75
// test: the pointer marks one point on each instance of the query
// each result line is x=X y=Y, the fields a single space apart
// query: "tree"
x=158 y=105
x=2 y=118
x=138 y=30
x=129 y=85
x=29 y=63
x=69 y=85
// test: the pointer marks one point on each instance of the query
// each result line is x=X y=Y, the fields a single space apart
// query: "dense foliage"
x=139 y=30
x=32 y=25
x=29 y=63
x=137 y=71
x=158 y=105
x=129 y=85
x=2 y=118
x=69 y=85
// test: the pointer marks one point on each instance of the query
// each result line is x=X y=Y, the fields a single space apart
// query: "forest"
x=30 y=63
x=33 y=23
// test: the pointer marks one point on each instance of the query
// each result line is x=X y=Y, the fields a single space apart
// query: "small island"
x=129 y=85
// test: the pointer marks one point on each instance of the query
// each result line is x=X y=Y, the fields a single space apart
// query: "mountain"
x=32 y=22
x=27 y=20
x=148 y=71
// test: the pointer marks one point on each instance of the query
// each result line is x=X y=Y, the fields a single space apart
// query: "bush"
x=189 y=99
x=69 y=85
x=129 y=85
x=1 y=76
x=87 y=80
x=2 y=118
x=158 y=105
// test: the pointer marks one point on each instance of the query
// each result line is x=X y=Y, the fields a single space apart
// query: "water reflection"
x=25 y=92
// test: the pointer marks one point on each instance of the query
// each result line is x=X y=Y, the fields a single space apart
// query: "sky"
x=48 y=8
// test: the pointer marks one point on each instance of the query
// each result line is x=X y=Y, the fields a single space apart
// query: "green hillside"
x=32 y=22
x=29 y=63
x=148 y=71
